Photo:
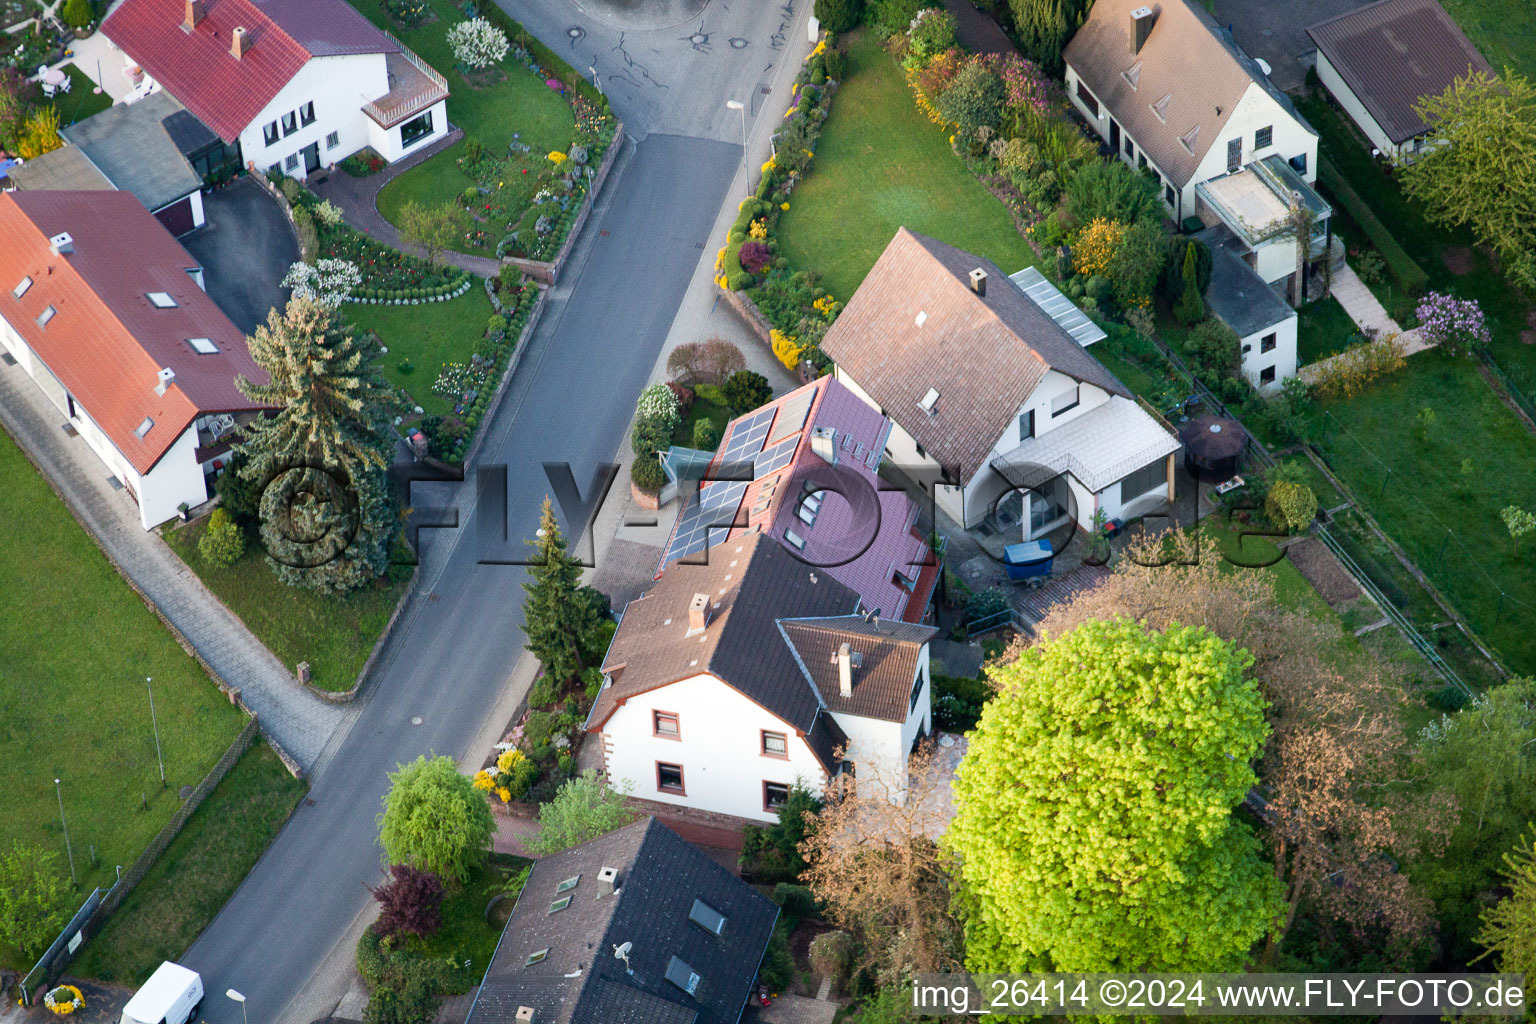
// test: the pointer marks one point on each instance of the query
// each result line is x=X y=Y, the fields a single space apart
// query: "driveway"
x=245 y=249
x=1277 y=32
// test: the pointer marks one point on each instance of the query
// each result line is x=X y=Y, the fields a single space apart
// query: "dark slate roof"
x=129 y=144
x=752 y=582
x=889 y=654
x=1238 y=295
x=1394 y=52
x=188 y=133
x=983 y=354
x=580 y=981
x=327 y=28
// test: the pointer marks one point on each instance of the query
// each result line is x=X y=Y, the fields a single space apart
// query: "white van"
x=172 y=995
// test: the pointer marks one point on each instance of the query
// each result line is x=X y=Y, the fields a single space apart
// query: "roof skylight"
x=161 y=300
x=21 y=289
x=707 y=917
x=204 y=346
x=45 y=316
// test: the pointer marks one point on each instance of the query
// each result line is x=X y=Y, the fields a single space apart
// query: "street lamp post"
x=58 y=789
x=237 y=997
x=597 y=82
x=149 y=681
x=746 y=174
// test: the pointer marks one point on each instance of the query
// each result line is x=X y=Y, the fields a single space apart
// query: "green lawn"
x=80 y=102
x=466 y=935
x=520 y=104
x=76 y=644
x=1503 y=30
x=198 y=872
x=880 y=165
x=1425 y=499
x=430 y=336
x=1324 y=329
x=700 y=410
x=334 y=634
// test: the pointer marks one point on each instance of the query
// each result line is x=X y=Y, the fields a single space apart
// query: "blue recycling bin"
x=1031 y=558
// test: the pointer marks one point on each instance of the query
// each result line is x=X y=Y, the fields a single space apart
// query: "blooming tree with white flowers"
x=328 y=282
x=477 y=43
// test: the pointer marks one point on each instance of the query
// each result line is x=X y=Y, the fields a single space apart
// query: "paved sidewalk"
x=295 y=718
x=358 y=199
x=1368 y=314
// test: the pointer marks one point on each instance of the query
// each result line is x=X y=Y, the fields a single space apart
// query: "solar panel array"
x=792 y=413
x=776 y=458
x=712 y=510
x=1058 y=307
x=747 y=436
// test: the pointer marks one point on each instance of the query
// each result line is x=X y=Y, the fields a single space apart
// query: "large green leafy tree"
x=584 y=808
x=1509 y=926
x=32 y=899
x=1482 y=169
x=1094 y=821
x=558 y=616
x=328 y=515
x=1483 y=757
x=435 y=820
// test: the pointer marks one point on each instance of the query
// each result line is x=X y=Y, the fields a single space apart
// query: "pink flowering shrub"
x=1456 y=325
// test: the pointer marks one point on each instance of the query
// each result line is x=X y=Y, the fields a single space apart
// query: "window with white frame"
x=1065 y=401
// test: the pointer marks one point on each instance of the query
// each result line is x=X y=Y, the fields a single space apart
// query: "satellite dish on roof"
x=1263 y=66
x=622 y=953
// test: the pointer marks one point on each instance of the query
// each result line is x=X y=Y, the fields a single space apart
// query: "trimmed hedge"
x=1410 y=277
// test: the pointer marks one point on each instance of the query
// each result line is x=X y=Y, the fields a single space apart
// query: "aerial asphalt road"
x=453 y=650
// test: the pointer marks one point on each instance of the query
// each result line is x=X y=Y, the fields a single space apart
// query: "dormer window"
x=45 y=316
x=21 y=289
x=1160 y=108
x=1190 y=137
x=1132 y=74
x=160 y=300
x=203 y=346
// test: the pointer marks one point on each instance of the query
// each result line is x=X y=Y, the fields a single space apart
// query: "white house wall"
x=1275 y=259
x=1340 y=90
x=1109 y=498
x=1282 y=357
x=338 y=87
x=879 y=748
x=720 y=748
x=387 y=140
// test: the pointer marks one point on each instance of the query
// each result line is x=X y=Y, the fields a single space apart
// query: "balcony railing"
x=408 y=94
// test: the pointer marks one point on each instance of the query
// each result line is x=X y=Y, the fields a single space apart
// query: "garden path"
x=358 y=199
x=1368 y=314
x=296 y=719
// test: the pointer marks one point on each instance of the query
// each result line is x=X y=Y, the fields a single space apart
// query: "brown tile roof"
x=105 y=341
x=888 y=655
x=1187 y=58
x=1394 y=52
x=752 y=582
x=984 y=355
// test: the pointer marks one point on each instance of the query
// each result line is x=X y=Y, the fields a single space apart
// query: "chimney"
x=62 y=243
x=195 y=13
x=979 y=282
x=1141 y=27
x=239 y=42
x=824 y=444
x=166 y=378
x=525 y=1015
x=698 y=613
x=845 y=670
x=608 y=879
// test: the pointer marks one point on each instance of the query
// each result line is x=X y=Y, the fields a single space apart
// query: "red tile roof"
x=106 y=342
x=225 y=92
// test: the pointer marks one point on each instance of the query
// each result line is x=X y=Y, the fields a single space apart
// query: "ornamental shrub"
x=410 y=903
x=892 y=16
x=839 y=15
x=738 y=280
x=1110 y=190
x=435 y=820
x=1456 y=325
x=223 y=542
x=746 y=390
x=658 y=405
x=77 y=13
x=706 y=436
x=755 y=257
x=973 y=101
x=1290 y=505
x=647 y=474
x=931 y=31
x=477 y=43
x=1190 y=308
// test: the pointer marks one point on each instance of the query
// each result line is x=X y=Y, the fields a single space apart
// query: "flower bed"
x=64 y=1000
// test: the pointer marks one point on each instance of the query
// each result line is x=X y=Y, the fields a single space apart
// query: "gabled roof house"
x=293 y=84
x=633 y=927
x=729 y=682
x=994 y=395
x=1380 y=60
x=804 y=470
x=105 y=311
x=1169 y=90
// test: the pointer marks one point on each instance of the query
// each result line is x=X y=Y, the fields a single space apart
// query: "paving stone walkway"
x=358 y=199
x=1367 y=312
x=298 y=720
